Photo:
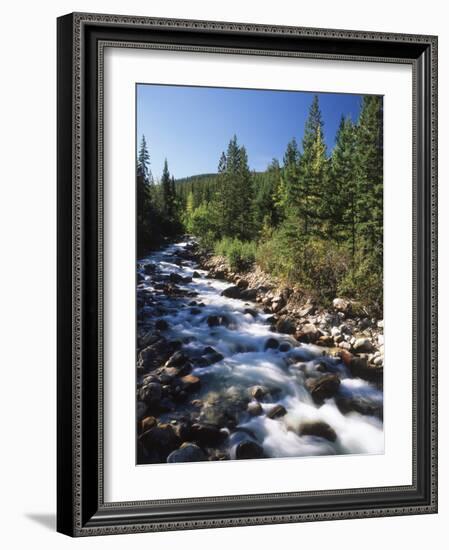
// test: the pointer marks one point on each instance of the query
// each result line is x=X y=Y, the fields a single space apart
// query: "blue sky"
x=191 y=126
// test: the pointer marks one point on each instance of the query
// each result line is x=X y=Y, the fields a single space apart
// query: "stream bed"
x=215 y=382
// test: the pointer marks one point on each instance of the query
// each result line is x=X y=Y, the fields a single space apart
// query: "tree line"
x=315 y=220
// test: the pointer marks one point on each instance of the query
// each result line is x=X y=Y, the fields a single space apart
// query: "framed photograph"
x=247 y=274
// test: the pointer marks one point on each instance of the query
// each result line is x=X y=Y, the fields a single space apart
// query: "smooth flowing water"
x=246 y=362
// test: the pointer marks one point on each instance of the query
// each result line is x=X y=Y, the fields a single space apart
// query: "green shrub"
x=364 y=282
x=202 y=222
x=240 y=254
x=314 y=264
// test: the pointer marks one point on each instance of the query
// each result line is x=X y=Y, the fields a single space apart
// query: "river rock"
x=325 y=387
x=224 y=407
x=363 y=345
x=158 y=442
x=209 y=359
x=178 y=359
x=318 y=429
x=286 y=325
x=284 y=347
x=249 y=294
x=232 y=292
x=248 y=449
x=147 y=423
x=196 y=275
x=277 y=303
x=258 y=392
x=155 y=355
x=271 y=343
x=277 y=412
x=207 y=434
x=341 y=304
x=254 y=408
x=242 y=284
x=148 y=339
x=378 y=361
x=360 y=405
x=190 y=383
x=335 y=331
x=308 y=334
x=213 y=321
x=176 y=278
x=188 y=452
x=360 y=368
x=151 y=394
x=325 y=341
x=306 y=310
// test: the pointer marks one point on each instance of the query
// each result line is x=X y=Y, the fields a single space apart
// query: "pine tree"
x=343 y=190
x=235 y=192
x=243 y=197
x=167 y=196
x=313 y=173
x=143 y=162
x=145 y=209
x=291 y=173
x=369 y=175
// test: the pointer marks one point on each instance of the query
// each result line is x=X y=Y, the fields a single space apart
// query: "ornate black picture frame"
x=81 y=509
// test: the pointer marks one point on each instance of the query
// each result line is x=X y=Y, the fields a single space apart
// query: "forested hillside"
x=313 y=218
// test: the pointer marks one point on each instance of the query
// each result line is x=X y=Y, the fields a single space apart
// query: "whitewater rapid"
x=246 y=363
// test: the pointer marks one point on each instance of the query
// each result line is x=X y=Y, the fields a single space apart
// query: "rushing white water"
x=247 y=363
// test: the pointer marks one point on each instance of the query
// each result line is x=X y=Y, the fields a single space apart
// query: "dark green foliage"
x=146 y=214
x=157 y=205
x=234 y=192
x=316 y=221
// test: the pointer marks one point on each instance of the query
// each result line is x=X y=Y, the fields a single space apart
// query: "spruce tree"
x=369 y=175
x=290 y=173
x=313 y=173
x=343 y=189
x=166 y=184
x=145 y=208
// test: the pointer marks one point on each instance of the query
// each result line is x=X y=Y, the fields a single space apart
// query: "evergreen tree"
x=343 y=193
x=369 y=175
x=291 y=173
x=235 y=192
x=167 y=192
x=143 y=162
x=265 y=187
x=313 y=172
x=146 y=214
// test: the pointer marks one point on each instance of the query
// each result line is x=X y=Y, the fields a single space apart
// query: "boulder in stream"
x=232 y=292
x=158 y=442
x=248 y=449
x=277 y=411
x=318 y=428
x=207 y=434
x=325 y=387
x=286 y=325
x=188 y=452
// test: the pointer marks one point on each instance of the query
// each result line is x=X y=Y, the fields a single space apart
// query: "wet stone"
x=318 y=429
x=248 y=450
x=271 y=343
x=277 y=412
x=325 y=387
x=188 y=452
